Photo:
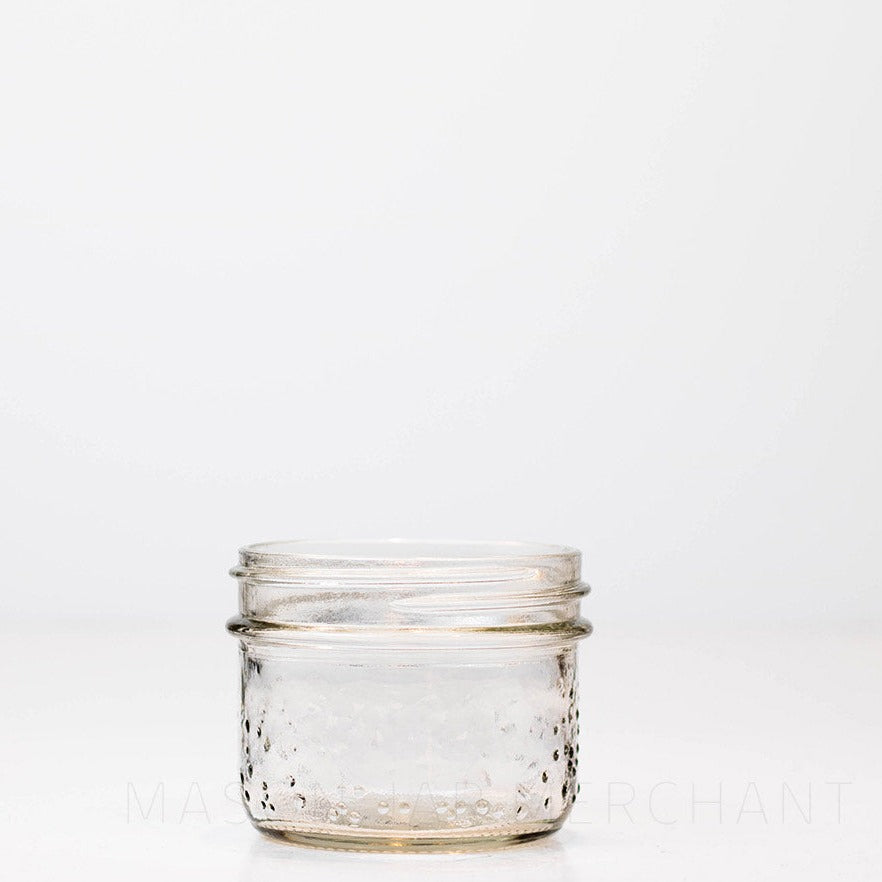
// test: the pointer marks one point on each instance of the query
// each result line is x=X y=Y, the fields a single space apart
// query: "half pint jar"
x=409 y=695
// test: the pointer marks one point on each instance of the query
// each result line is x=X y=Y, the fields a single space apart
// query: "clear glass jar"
x=406 y=695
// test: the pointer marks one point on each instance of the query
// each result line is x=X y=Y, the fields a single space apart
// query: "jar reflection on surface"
x=548 y=859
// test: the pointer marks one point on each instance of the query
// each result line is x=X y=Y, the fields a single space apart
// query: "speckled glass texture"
x=409 y=696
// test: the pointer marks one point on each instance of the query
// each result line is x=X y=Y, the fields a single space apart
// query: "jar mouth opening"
x=401 y=585
x=368 y=553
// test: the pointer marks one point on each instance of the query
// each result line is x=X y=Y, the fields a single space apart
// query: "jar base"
x=408 y=842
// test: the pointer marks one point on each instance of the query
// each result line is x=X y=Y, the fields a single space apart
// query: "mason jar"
x=405 y=695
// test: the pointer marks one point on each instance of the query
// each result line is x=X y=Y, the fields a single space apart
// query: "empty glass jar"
x=409 y=696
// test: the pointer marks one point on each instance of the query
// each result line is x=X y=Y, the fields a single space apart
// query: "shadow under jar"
x=409 y=696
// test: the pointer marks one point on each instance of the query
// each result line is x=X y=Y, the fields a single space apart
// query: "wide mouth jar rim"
x=526 y=589
x=411 y=553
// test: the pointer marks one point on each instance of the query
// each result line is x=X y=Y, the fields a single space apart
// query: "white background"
x=599 y=274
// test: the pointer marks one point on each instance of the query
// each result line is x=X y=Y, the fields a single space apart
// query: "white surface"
x=100 y=721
